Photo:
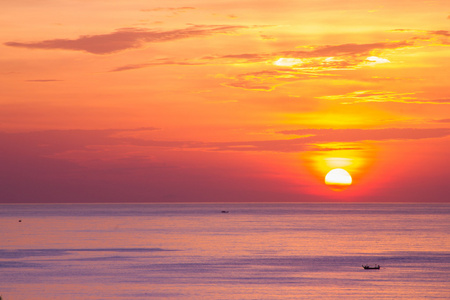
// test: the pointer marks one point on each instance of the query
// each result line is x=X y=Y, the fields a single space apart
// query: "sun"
x=338 y=179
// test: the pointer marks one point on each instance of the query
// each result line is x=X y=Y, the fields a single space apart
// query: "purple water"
x=194 y=251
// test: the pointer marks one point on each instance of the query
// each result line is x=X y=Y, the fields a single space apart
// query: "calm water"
x=193 y=251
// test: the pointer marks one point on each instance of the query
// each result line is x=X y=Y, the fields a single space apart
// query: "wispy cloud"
x=43 y=80
x=357 y=135
x=158 y=62
x=437 y=37
x=311 y=137
x=317 y=60
x=125 y=38
x=428 y=32
x=381 y=96
x=440 y=32
x=173 y=9
x=314 y=58
x=59 y=141
x=346 y=49
x=314 y=62
x=442 y=121
x=327 y=52
x=266 y=80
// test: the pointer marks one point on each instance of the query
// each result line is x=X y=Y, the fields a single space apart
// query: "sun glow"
x=338 y=179
x=377 y=60
x=287 y=62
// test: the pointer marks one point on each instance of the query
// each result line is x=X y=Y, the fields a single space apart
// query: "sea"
x=224 y=251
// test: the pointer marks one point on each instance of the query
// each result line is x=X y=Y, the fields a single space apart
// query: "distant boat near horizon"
x=367 y=267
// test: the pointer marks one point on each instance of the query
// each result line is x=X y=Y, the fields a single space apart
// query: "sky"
x=242 y=101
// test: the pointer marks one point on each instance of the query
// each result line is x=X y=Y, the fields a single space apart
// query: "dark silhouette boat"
x=225 y=211
x=367 y=267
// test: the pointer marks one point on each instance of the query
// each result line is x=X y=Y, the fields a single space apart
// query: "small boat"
x=225 y=211
x=367 y=267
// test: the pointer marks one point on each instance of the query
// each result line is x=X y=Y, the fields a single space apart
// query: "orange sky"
x=150 y=101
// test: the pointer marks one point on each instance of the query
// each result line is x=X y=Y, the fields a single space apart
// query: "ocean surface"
x=194 y=251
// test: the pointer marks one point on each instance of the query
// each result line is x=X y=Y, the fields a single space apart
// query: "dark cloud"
x=123 y=39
